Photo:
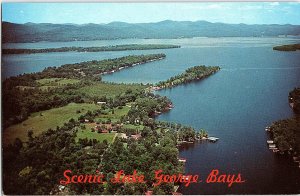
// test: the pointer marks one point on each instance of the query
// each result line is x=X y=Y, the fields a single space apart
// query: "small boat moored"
x=213 y=139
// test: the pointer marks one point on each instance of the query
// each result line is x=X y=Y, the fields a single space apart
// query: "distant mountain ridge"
x=34 y=32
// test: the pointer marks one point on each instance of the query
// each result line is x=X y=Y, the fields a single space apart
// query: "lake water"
x=235 y=104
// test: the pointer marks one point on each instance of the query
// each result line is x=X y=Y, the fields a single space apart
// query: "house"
x=176 y=193
x=155 y=88
x=136 y=120
x=101 y=102
x=182 y=160
x=86 y=120
x=148 y=192
x=61 y=187
x=123 y=135
x=136 y=136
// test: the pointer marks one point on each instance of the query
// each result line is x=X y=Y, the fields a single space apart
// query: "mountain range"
x=34 y=32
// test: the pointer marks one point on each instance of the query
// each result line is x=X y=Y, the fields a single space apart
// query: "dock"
x=267 y=129
x=270 y=142
x=182 y=160
x=272 y=146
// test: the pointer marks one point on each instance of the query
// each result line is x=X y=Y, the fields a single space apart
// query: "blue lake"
x=235 y=104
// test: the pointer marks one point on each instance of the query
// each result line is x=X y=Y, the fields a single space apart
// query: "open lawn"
x=113 y=117
x=106 y=89
x=48 y=83
x=42 y=121
x=57 y=81
x=117 y=113
x=87 y=133
x=130 y=126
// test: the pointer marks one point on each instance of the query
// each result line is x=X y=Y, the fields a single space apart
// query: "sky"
x=82 y=13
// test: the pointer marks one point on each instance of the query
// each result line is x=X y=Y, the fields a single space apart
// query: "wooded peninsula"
x=91 y=49
x=286 y=133
x=67 y=118
x=290 y=47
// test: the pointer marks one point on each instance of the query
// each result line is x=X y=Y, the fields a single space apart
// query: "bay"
x=235 y=104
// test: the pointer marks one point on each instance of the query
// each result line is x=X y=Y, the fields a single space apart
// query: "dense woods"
x=286 y=133
x=294 y=100
x=90 y=49
x=290 y=47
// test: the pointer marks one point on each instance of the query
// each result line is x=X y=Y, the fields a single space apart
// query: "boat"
x=213 y=139
x=270 y=142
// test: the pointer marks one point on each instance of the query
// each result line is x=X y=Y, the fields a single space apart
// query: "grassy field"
x=113 y=117
x=130 y=126
x=42 y=121
x=57 y=81
x=87 y=133
x=117 y=113
x=109 y=90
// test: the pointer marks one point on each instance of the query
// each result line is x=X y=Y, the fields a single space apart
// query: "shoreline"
x=126 y=47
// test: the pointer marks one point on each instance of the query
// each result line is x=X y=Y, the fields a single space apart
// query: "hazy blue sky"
x=249 y=13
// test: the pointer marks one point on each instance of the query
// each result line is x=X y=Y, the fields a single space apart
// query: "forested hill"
x=32 y=32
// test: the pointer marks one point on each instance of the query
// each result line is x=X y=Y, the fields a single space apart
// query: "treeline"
x=290 y=47
x=92 y=69
x=294 y=100
x=191 y=74
x=286 y=133
x=91 y=49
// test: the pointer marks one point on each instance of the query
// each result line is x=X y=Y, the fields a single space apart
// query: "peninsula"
x=67 y=118
x=91 y=49
x=285 y=134
x=290 y=47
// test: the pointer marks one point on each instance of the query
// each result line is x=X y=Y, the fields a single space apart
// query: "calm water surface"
x=249 y=93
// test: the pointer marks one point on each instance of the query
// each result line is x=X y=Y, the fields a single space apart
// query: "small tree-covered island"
x=67 y=118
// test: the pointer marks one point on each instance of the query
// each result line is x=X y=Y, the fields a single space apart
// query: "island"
x=191 y=74
x=290 y=47
x=91 y=49
x=67 y=118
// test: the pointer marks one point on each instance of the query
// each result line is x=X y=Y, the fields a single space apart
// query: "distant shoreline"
x=287 y=48
x=90 y=49
x=176 y=38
